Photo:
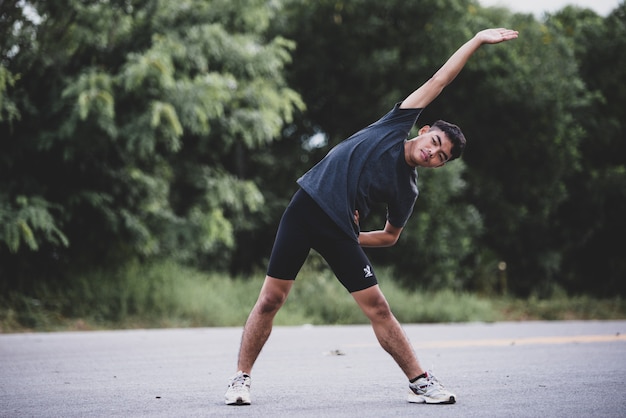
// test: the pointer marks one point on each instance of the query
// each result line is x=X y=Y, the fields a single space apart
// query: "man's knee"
x=374 y=304
x=380 y=310
x=270 y=302
x=273 y=294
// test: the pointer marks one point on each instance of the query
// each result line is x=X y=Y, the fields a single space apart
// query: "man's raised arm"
x=425 y=94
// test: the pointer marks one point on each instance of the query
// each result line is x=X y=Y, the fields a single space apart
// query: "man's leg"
x=255 y=334
x=259 y=324
x=290 y=250
x=423 y=387
x=390 y=334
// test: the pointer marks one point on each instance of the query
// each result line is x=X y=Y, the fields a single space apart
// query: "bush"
x=169 y=295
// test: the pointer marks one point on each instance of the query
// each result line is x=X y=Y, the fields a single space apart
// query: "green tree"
x=26 y=221
x=130 y=118
x=592 y=219
x=517 y=108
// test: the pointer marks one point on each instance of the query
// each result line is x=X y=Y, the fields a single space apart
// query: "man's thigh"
x=349 y=263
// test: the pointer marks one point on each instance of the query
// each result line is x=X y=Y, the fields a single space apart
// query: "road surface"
x=510 y=369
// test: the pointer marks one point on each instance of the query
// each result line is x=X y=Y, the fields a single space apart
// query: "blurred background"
x=149 y=147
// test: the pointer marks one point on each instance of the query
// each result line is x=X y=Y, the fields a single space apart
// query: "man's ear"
x=423 y=130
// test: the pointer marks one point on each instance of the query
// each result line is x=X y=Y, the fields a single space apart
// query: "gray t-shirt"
x=365 y=168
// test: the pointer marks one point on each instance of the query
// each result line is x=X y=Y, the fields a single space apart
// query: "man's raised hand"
x=494 y=36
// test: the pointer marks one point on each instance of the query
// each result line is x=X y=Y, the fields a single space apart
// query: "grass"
x=168 y=295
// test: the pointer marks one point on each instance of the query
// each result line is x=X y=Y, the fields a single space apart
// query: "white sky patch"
x=318 y=140
x=539 y=7
x=30 y=13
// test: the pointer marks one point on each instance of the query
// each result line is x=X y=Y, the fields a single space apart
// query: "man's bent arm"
x=429 y=91
x=383 y=238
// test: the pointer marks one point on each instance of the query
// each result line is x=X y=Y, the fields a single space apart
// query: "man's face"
x=431 y=148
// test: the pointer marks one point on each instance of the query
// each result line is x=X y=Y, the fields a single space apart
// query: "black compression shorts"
x=305 y=225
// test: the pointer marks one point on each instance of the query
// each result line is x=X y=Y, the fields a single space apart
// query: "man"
x=377 y=164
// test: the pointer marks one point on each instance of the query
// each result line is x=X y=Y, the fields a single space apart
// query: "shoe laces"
x=240 y=380
x=428 y=384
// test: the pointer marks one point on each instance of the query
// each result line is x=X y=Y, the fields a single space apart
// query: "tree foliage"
x=516 y=106
x=128 y=116
x=143 y=129
x=592 y=221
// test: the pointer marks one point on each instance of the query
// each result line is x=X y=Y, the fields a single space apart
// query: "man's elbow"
x=391 y=240
x=392 y=234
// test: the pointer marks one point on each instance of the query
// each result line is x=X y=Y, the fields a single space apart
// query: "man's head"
x=455 y=136
x=435 y=145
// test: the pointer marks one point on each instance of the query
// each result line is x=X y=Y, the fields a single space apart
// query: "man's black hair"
x=455 y=135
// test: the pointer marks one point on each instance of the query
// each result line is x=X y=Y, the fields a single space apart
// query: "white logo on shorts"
x=368 y=271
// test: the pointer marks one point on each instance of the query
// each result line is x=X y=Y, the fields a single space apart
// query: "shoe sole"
x=239 y=401
x=424 y=399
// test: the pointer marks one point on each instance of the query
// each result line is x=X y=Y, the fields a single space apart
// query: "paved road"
x=526 y=369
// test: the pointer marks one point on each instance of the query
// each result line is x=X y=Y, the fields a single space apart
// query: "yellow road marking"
x=570 y=339
x=500 y=342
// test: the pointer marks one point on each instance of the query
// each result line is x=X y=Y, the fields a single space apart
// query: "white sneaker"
x=238 y=392
x=429 y=390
